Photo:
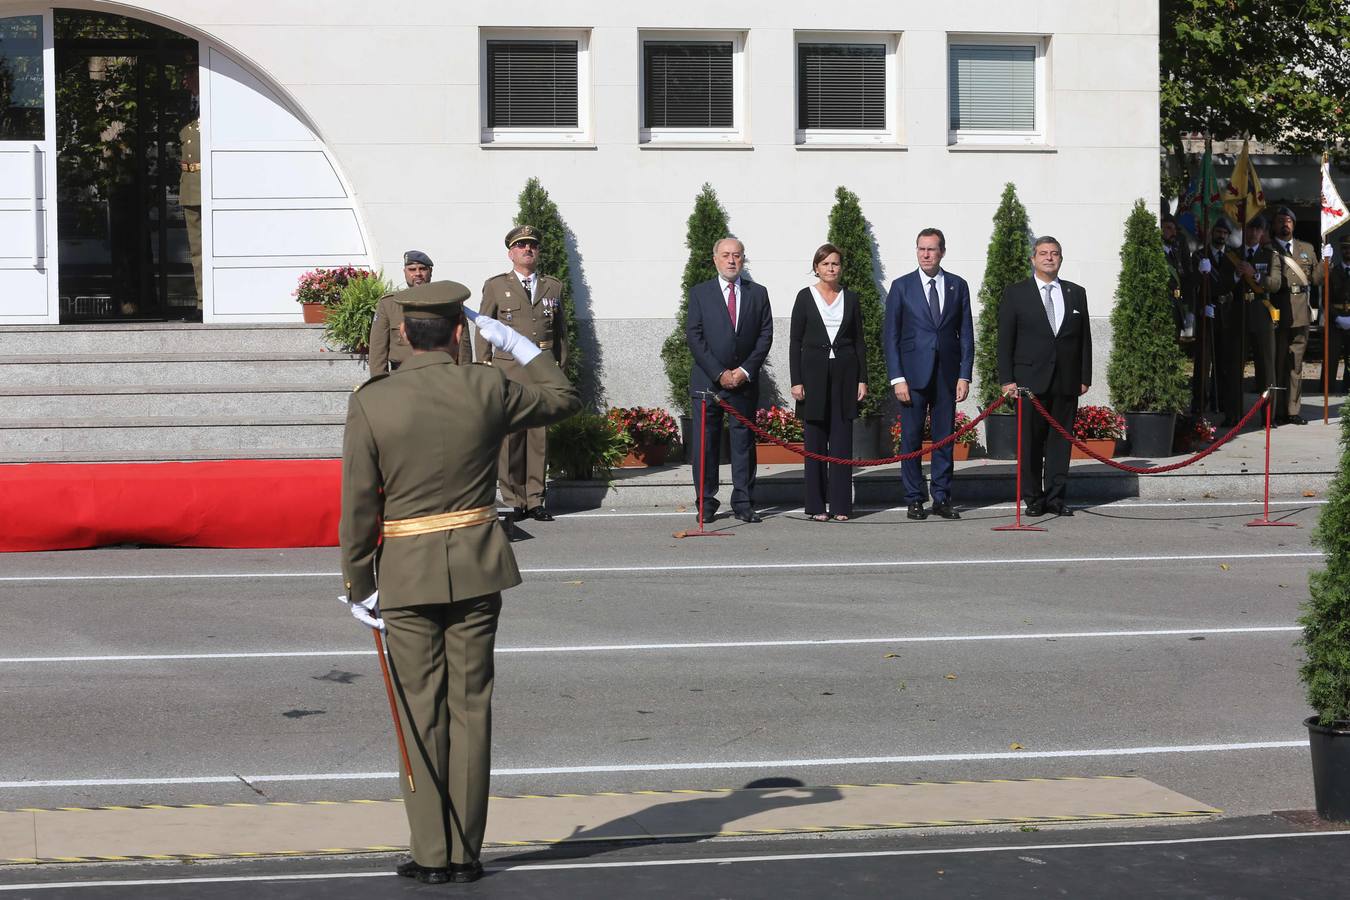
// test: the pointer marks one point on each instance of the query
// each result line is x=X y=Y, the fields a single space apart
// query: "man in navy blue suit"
x=930 y=351
x=730 y=329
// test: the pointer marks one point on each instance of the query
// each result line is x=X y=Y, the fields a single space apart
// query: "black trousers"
x=742 y=454
x=1228 y=362
x=1338 y=349
x=1045 y=454
x=830 y=483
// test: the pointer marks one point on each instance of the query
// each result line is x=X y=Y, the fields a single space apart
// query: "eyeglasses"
x=516 y=245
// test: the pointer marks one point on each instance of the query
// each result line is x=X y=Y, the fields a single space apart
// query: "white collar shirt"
x=531 y=284
x=1056 y=298
x=941 y=287
x=740 y=295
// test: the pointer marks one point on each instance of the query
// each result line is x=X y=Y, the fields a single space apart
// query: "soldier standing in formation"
x=531 y=304
x=388 y=350
x=1337 y=316
x=1180 y=283
x=190 y=177
x=1223 y=321
x=1298 y=262
x=1260 y=277
x=418 y=469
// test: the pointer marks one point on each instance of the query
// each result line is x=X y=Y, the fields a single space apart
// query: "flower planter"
x=1000 y=435
x=644 y=455
x=959 y=451
x=1104 y=446
x=1150 y=433
x=774 y=455
x=314 y=313
x=1330 y=746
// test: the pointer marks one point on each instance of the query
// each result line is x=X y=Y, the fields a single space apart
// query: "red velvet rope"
x=862 y=463
x=1150 y=470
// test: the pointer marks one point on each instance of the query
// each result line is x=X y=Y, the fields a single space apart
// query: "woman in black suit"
x=829 y=378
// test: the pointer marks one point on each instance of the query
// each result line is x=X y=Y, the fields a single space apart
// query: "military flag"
x=1243 y=198
x=1202 y=203
x=1334 y=213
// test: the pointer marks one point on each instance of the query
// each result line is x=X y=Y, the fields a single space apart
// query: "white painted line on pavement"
x=972 y=507
x=681 y=766
x=690 y=645
x=700 y=860
x=717 y=567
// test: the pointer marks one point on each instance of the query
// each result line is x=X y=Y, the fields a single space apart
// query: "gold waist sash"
x=546 y=345
x=440 y=522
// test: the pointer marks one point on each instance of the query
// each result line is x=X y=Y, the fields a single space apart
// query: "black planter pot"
x=1150 y=434
x=1330 y=746
x=689 y=429
x=1000 y=436
x=867 y=438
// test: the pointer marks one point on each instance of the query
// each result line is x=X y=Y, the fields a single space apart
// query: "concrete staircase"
x=153 y=392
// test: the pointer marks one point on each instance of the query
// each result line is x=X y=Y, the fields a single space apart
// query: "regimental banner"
x=1334 y=213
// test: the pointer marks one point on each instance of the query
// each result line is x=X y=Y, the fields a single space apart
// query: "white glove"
x=505 y=338
x=367 y=612
x=1326 y=251
x=1343 y=323
x=1209 y=311
x=1205 y=266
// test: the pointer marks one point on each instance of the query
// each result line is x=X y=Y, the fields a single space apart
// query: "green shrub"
x=1147 y=369
x=1007 y=261
x=707 y=225
x=850 y=232
x=585 y=443
x=348 y=324
x=537 y=209
x=1326 y=613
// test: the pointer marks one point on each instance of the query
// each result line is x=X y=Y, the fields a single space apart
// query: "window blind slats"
x=532 y=84
x=992 y=87
x=688 y=84
x=841 y=86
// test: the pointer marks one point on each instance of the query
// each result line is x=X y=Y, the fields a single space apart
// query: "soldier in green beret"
x=531 y=304
x=419 y=465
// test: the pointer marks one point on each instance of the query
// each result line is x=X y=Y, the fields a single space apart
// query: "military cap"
x=433 y=300
x=522 y=233
x=1222 y=222
x=1286 y=211
x=1258 y=222
x=417 y=257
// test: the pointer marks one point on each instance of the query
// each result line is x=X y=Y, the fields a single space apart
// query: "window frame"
x=889 y=133
x=1040 y=134
x=736 y=134
x=578 y=134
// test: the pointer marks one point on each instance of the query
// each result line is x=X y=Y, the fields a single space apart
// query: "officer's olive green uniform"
x=523 y=464
x=388 y=349
x=1299 y=265
x=419 y=442
x=190 y=195
x=1261 y=330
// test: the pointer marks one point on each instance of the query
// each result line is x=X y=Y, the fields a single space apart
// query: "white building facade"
x=348 y=132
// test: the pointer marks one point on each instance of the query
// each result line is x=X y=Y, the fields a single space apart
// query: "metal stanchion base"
x=1018 y=527
x=1269 y=523
x=702 y=533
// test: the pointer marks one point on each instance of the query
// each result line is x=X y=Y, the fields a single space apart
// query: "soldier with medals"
x=425 y=559
x=531 y=304
x=1222 y=321
x=1259 y=276
x=1337 y=316
x=388 y=350
x=1298 y=259
x=190 y=176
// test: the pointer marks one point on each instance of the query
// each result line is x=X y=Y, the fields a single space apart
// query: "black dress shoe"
x=749 y=516
x=538 y=513
x=916 y=511
x=1296 y=419
x=411 y=869
x=463 y=873
x=1035 y=508
x=945 y=510
x=1058 y=509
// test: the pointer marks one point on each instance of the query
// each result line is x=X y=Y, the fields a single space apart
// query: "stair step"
x=120 y=456
x=232 y=435
x=102 y=401
x=142 y=369
x=157 y=337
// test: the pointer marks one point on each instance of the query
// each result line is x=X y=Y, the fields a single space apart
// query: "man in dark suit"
x=730 y=329
x=930 y=350
x=1223 y=316
x=1045 y=346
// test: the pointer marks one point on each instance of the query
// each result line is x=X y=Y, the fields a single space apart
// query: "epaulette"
x=371 y=380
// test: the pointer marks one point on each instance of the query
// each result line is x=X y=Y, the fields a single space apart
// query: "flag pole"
x=1326 y=318
x=1203 y=374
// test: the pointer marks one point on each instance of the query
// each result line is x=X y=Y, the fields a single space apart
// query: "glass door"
x=28 y=291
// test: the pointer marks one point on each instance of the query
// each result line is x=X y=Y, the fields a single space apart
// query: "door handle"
x=37 y=210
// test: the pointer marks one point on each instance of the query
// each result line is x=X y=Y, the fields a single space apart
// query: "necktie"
x=731 y=304
x=1251 y=251
x=1050 y=308
x=525 y=283
x=933 y=307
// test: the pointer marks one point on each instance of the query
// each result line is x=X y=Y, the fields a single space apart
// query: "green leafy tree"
x=1326 y=613
x=1278 y=70
x=1147 y=370
x=850 y=232
x=539 y=210
x=707 y=225
x=1007 y=261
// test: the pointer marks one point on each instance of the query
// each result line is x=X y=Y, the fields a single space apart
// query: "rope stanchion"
x=702 y=470
x=1265 y=521
x=1017 y=498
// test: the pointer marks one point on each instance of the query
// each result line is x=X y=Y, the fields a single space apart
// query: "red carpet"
x=236 y=503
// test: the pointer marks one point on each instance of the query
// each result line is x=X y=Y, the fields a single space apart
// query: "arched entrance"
x=147 y=175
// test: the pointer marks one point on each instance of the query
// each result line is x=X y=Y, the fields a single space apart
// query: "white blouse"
x=832 y=314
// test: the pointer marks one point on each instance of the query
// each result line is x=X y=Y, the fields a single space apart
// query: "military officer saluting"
x=388 y=350
x=531 y=304
x=1298 y=260
x=419 y=460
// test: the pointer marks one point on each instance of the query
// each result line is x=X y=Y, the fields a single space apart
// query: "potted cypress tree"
x=536 y=208
x=852 y=234
x=707 y=225
x=1147 y=370
x=1007 y=261
x=1326 y=644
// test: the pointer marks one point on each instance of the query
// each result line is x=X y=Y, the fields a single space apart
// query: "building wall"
x=393 y=90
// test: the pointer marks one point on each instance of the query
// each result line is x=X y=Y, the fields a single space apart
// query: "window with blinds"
x=992 y=87
x=841 y=87
x=688 y=84
x=532 y=84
